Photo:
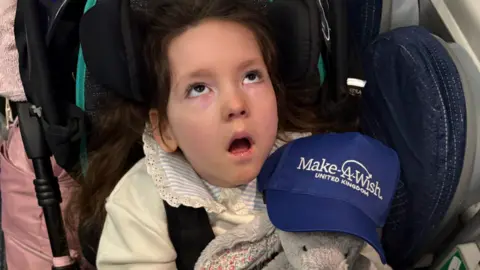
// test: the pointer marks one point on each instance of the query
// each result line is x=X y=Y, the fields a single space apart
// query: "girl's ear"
x=162 y=133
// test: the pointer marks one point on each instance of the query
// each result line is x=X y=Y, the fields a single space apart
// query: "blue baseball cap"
x=341 y=182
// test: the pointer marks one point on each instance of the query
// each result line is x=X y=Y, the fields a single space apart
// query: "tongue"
x=239 y=146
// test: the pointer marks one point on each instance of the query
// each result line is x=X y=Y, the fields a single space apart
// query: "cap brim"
x=306 y=213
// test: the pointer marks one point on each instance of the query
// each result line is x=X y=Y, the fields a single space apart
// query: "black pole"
x=46 y=184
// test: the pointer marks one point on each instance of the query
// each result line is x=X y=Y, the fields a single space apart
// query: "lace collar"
x=178 y=184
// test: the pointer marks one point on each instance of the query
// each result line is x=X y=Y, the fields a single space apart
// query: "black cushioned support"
x=296 y=27
x=190 y=232
x=111 y=47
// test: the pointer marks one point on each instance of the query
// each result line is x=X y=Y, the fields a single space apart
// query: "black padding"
x=184 y=225
x=111 y=47
x=89 y=238
x=296 y=27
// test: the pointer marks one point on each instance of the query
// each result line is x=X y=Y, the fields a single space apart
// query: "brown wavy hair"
x=116 y=142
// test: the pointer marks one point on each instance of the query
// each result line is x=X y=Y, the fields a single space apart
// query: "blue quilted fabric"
x=414 y=102
x=364 y=17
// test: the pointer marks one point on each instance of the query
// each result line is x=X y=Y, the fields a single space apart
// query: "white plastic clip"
x=355 y=86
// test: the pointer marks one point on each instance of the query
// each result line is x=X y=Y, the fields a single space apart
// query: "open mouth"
x=240 y=146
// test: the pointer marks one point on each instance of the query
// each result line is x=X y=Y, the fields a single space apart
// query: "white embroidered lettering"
x=353 y=174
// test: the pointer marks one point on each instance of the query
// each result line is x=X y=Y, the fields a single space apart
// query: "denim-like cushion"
x=414 y=102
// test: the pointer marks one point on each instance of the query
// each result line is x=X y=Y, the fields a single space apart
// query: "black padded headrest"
x=111 y=47
x=296 y=29
x=111 y=43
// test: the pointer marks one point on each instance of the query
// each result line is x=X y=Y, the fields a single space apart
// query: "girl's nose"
x=235 y=106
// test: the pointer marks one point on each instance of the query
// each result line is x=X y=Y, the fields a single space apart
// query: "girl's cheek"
x=204 y=101
x=259 y=90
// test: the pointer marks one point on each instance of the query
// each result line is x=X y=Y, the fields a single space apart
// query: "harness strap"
x=190 y=232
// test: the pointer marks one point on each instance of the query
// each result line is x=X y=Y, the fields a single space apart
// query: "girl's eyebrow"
x=199 y=73
x=249 y=62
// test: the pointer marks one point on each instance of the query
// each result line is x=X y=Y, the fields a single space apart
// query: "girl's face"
x=222 y=110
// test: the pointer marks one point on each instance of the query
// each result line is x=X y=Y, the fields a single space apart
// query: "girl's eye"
x=252 y=77
x=197 y=90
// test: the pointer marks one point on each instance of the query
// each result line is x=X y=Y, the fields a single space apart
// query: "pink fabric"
x=26 y=239
x=10 y=84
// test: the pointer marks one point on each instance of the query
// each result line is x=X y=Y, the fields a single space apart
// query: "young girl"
x=217 y=109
